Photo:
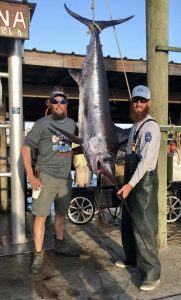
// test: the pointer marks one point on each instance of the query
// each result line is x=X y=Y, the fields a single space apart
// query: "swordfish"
x=98 y=137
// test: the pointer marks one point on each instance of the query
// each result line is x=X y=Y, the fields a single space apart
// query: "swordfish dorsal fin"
x=76 y=74
x=100 y=25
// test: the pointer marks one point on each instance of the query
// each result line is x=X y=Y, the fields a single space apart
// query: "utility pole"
x=157 y=80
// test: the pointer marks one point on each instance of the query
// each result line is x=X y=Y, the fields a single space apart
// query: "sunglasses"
x=61 y=101
x=142 y=100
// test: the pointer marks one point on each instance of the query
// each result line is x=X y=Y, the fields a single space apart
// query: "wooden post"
x=157 y=79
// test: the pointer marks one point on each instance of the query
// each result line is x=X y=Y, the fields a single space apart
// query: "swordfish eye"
x=108 y=159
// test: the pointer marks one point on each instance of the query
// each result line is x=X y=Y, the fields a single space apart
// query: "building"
x=44 y=70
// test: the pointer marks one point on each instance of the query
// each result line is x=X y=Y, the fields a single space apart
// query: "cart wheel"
x=173 y=208
x=81 y=210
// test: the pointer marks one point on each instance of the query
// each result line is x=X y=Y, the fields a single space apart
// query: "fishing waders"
x=142 y=202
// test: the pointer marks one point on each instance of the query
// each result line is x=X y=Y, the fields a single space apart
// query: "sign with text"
x=14 y=20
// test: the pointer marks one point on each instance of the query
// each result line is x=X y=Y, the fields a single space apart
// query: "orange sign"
x=14 y=20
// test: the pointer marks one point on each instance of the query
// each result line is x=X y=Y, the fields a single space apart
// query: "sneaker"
x=124 y=264
x=37 y=262
x=149 y=285
x=62 y=248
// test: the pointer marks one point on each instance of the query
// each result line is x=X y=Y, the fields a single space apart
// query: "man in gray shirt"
x=140 y=191
x=54 y=174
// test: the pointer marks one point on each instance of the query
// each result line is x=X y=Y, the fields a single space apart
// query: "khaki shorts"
x=53 y=189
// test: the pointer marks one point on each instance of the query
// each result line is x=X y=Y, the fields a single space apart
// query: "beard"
x=58 y=116
x=138 y=116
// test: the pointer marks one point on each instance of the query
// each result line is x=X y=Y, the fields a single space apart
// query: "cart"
x=173 y=188
x=90 y=200
x=87 y=201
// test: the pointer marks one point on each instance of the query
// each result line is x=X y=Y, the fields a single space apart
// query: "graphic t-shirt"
x=54 y=149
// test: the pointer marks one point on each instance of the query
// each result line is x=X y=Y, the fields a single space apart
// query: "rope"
x=93 y=16
x=114 y=215
x=117 y=42
x=93 y=10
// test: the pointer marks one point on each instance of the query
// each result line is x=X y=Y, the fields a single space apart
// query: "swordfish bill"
x=98 y=136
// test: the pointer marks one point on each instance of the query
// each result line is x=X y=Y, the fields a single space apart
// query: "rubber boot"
x=37 y=262
x=63 y=249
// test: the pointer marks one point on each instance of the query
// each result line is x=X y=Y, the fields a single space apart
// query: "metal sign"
x=14 y=20
x=16 y=110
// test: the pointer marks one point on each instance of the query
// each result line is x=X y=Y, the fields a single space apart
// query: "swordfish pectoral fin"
x=70 y=136
x=122 y=135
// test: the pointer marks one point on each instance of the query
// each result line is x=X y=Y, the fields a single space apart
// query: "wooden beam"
x=167 y=128
x=168 y=48
x=174 y=69
x=42 y=91
x=62 y=60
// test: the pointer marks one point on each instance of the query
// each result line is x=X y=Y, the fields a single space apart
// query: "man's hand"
x=35 y=182
x=26 y=155
x=125 y=190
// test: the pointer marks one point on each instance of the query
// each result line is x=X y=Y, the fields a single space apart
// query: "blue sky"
x=52 y=28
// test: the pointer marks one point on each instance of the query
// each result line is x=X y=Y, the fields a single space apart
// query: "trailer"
x=174 y=186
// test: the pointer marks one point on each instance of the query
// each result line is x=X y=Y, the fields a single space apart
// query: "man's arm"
x=149 y=155
x=26 y=155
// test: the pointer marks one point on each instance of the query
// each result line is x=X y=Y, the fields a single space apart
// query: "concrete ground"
x=92 y=276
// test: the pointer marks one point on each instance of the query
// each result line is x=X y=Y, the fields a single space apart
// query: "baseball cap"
x=141 y=91
x=57 y=92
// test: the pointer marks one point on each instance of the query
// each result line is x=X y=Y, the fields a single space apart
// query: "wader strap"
x=137 y=132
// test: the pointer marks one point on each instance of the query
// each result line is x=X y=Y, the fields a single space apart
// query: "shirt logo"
x=60 y=144
x=148 y=137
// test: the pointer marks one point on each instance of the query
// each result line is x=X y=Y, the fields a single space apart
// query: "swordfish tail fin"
x=100 y=25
